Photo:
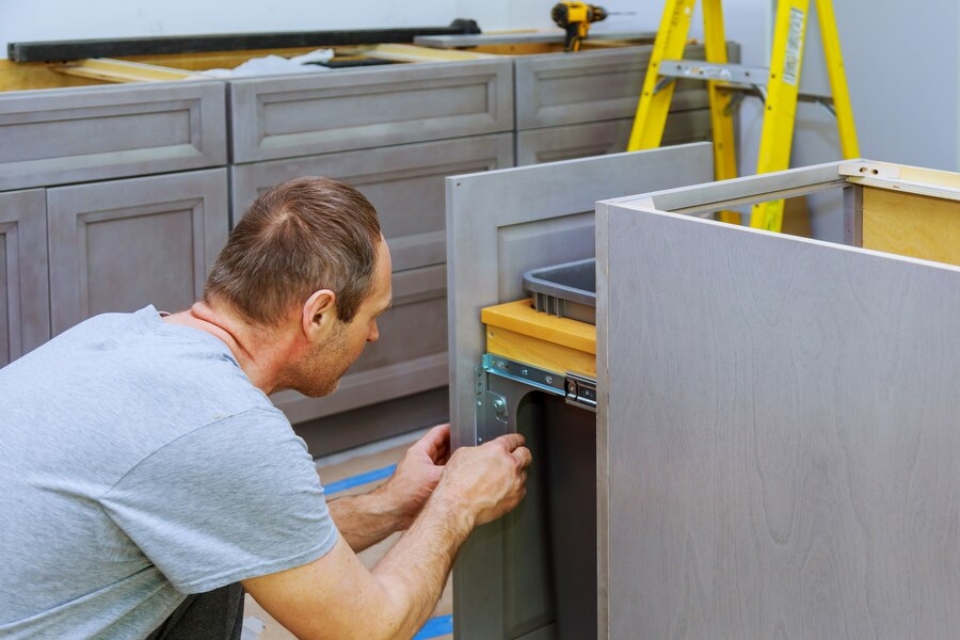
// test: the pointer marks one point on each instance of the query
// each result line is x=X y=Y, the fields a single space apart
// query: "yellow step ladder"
x=724 y=81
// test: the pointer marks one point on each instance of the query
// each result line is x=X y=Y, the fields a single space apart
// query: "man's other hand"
x=418 y=473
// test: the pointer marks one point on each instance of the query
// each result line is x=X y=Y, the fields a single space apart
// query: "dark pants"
x=215 y=615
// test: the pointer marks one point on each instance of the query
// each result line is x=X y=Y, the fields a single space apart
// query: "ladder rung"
x=714 y=71
x=736 y=77
x=826 y=101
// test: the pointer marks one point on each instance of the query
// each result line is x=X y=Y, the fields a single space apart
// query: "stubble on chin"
x=321 y=391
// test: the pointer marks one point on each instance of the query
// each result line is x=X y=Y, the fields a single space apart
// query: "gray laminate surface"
x=782 y=432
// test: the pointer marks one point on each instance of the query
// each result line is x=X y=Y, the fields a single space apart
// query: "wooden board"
x=911 y=225
x=929 y=176
x=31 y=76
x=109 y=70
x=24 y=76
x=519 y=332
x=520 y=317
x=539 y=353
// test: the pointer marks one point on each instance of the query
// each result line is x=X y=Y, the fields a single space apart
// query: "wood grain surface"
x=911 y=225
x=784 y=447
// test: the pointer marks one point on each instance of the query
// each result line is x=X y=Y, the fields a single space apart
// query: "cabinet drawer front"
x=600 y=138
x=24 y=294
x=342 y=110
x=118 y=246
x=410 y=357
x=91 y=133
x=555 y=90
x=405 y=183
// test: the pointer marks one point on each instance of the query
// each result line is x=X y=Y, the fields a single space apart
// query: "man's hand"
x=486 y=481
x=335 y=596
x=418 y=473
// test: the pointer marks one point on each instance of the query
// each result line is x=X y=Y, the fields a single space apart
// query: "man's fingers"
x=439 y=435
x=510 y=441
x=436 y=442
x=523 y=456
x=443 y=455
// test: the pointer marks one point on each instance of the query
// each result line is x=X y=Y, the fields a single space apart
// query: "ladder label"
x=791 y=67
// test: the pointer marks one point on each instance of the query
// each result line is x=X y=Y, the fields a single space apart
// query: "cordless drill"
x=575 y=18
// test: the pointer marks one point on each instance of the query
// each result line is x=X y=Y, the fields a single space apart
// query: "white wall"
x=31 y=20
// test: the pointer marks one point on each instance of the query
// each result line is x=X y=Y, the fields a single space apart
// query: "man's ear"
x=319 y=314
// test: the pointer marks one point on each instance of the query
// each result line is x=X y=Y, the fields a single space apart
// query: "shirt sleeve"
x=234 y=499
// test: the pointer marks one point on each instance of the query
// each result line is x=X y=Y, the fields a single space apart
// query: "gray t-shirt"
x=138 y=464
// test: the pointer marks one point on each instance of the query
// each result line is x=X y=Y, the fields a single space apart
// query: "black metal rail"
x=64 y=50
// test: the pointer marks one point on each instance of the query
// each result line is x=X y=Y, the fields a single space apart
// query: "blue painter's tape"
x=356 y=481
x=436 y=627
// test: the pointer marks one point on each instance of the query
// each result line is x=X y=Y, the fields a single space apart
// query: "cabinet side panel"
x=783 y=447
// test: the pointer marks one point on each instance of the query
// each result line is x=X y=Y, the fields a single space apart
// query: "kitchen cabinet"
x=122 y=209
x=531 y=574
x=774 y=440
x=132 y=181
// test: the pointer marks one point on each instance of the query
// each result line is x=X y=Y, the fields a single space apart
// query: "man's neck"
x=254 y=348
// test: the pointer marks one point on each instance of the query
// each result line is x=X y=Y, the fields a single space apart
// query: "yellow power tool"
x=575 y=18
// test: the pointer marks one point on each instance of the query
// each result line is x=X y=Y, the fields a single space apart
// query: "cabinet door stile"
x=24 y=288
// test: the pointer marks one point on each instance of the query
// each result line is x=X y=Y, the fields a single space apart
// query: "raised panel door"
x=120 y=245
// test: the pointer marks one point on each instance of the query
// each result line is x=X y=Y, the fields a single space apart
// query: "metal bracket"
x=578 y=390
x=581 y=392
x=549 y=381
x=492 y=418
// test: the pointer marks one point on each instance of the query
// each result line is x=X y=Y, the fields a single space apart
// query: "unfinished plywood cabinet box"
x=775 y=449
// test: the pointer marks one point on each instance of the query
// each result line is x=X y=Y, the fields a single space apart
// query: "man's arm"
x=364 y=520
x=337 y=597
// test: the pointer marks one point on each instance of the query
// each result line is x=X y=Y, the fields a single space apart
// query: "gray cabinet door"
x=337 y=111
x=63 y=136
x=24 y=293
x=405 y=183
x=499 y=225
x=783 y=447
x=409 y=358
x=118 y=246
